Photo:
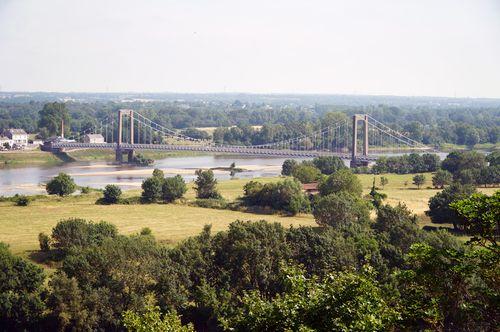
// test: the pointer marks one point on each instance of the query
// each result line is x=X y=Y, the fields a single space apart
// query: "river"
x=30 y=180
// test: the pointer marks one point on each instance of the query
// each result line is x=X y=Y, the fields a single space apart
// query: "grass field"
x=28 y=158
x=19 y=226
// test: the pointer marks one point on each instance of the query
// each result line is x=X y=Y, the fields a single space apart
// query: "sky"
x=378 y=47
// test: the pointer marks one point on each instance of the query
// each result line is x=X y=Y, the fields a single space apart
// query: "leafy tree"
x=306 y=174
x=343 y=180
x=419 y=180
x=489 y=175
x=341 y=209
x=44 y=241
x=152 y=189
x=206 y=185
x=21 y=285
x=153 y=321
x=81 y=233
x=288 y=166
x=457 y=161
x=342 y=301
x=173 y=188
x=383 y=181
x=112 y=194
x=479 y=216
x=50 y=117
x=376 y=197
x=61 y=185
x=442 y=178
x=329 y=164
x=439 y=209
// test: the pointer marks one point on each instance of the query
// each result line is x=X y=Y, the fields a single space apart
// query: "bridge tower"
x=355 y=162
x=120 y=150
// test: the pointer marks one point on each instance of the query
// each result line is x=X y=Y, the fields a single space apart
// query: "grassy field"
x=28 y=158
x=170 y=223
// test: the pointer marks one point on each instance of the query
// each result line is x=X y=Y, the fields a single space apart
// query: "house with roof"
x=93 y=138
x=19 y=137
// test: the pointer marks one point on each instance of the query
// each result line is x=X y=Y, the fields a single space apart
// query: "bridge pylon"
x=120 y=151
x=355 y=162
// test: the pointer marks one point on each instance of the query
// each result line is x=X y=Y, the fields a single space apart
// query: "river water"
x=31 y=180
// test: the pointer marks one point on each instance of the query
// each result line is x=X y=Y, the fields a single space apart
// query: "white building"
x=18 y=136
x=93 y=138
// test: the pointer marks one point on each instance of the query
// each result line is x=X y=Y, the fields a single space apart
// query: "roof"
x=310 y=186
x=15 y=131
x=94 y=135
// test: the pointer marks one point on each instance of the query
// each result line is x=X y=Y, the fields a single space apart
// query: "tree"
x=288 y=166
x=173 y=188
x=383 y=181
x=328 y=165
x=61 y=185
x=342 y=301
x=51 y=117
x=479 y=216
x=341 y=209
x=441 y=178
x=152 y=189
x=21 y=285
x=419 y=180
x=343 y=180
x=439 y=209
x=376 y=197
x=494 y=158
x=153 y=321
x=22 y=200
x=112 y=194
x=489 y=175
x=206 y=185
x=306 y=174
x=457 y=161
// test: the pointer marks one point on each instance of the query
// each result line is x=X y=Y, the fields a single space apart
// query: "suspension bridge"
x=361 y=144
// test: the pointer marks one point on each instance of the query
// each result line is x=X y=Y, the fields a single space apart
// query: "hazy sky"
x=397 y=47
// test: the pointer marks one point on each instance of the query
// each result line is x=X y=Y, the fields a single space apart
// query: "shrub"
x=146 y=231
x=79 y=232
x=173 y=188
x=211 y=203
x=44 y=241
x=22 y=200
x=419 y=180
x=61 y=185
x=85 y=190
x=112 y=194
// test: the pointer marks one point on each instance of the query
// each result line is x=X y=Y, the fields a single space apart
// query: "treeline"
x=361 y=275
x=463 y=126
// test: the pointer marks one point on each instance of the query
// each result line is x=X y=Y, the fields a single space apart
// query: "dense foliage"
x=112 y=194
x=61 y=185
x=206 y=185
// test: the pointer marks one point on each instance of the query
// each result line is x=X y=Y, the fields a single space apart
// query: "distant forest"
x=433 y=121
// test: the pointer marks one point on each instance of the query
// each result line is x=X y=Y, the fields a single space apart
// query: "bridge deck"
x=242 y=150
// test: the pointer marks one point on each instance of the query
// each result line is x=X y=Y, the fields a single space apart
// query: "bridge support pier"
x=120 y=152
x=354 y=153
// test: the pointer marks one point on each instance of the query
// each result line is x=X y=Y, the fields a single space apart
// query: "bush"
x=288 y=166
x=85 y=190
x=212 y=203
x=285 y=196
x=173 y=188
x=419 y=180
x=80 y=233
x=112 y=194
x=61 y=185
x=44 y=241
x=22 y=200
